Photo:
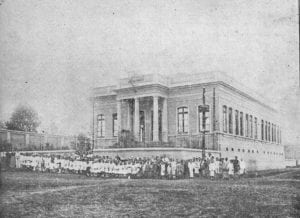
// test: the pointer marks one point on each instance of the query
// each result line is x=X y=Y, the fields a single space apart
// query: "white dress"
x=191 y=168
x=242 y=167
x=212 y=168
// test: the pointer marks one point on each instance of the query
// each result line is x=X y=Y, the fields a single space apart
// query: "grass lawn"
x=29 y=194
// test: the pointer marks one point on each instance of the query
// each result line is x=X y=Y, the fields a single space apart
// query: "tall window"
x=266 y=131
x=224 y=118
x=247 y=125
x=251 y=127
x=272 y=132
x=262 y=129
x=241 y=123
x=207 y=120
x=236 y=122
x=269 y=131
x=101 y=125
x=280 y=136
x=230 y=120
x=255 y=128
x=182 y=119
x=277 y=134
x=115 y=124
x=274 y=137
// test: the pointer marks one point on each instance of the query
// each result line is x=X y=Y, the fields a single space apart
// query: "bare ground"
x=29 y=194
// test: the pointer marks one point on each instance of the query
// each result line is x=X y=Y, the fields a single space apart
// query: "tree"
x=24 y=118
x=82 y=145
x=2 y=125
x=5 y=146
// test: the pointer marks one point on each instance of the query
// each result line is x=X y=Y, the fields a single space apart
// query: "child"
x=230 y=169
x=212 y=168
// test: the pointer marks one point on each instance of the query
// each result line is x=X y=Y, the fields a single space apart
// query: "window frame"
x=100 y=125
x=255 y=128
x=237 y=123
x=251 y=125
x=115 y=125
x=230 y=120
x=262 y=126
x=242 y=130
x=247 y=125
x=185 y=129
x=208 y=120
x=225 y=118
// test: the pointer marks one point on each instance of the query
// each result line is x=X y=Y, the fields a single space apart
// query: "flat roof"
x=181 y=79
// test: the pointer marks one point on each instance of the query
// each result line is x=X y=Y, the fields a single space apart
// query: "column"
x=155 y=119
x=137 y=118
x=165 y=120
x=119 y=115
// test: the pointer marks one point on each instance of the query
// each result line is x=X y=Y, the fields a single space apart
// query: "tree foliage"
x=82 y=145
x=2 y=125
x=5 y=146
x=24 y=118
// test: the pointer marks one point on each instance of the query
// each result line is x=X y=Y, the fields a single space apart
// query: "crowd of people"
x=154 y=167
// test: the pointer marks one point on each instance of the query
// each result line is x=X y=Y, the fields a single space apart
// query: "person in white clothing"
x=242 y=167
x=191 y=168
x=212 y=168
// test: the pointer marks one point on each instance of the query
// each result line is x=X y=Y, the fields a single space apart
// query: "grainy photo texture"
x=138 y=108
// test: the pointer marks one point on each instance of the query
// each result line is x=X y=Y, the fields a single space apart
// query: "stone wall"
x=21 y=140
x=257 y=154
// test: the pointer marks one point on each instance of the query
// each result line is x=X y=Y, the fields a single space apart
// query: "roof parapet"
x=104 y=91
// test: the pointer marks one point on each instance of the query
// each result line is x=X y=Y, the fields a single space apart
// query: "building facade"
x=167 y=112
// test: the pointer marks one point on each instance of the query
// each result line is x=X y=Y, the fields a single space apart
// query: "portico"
x=144 y=116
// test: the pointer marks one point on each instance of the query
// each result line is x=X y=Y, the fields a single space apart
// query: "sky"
x=52 y=52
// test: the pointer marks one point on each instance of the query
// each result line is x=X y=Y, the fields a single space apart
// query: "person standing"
x=173 y=166
x=242 y=167
x=230 y=169
x=212 y=168
x=191 y=168
x=236 y=166
x=225 y=168
x=162 y=169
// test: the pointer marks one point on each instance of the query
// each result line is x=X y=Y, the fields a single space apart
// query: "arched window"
x=182 y=120
x=101 y=125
